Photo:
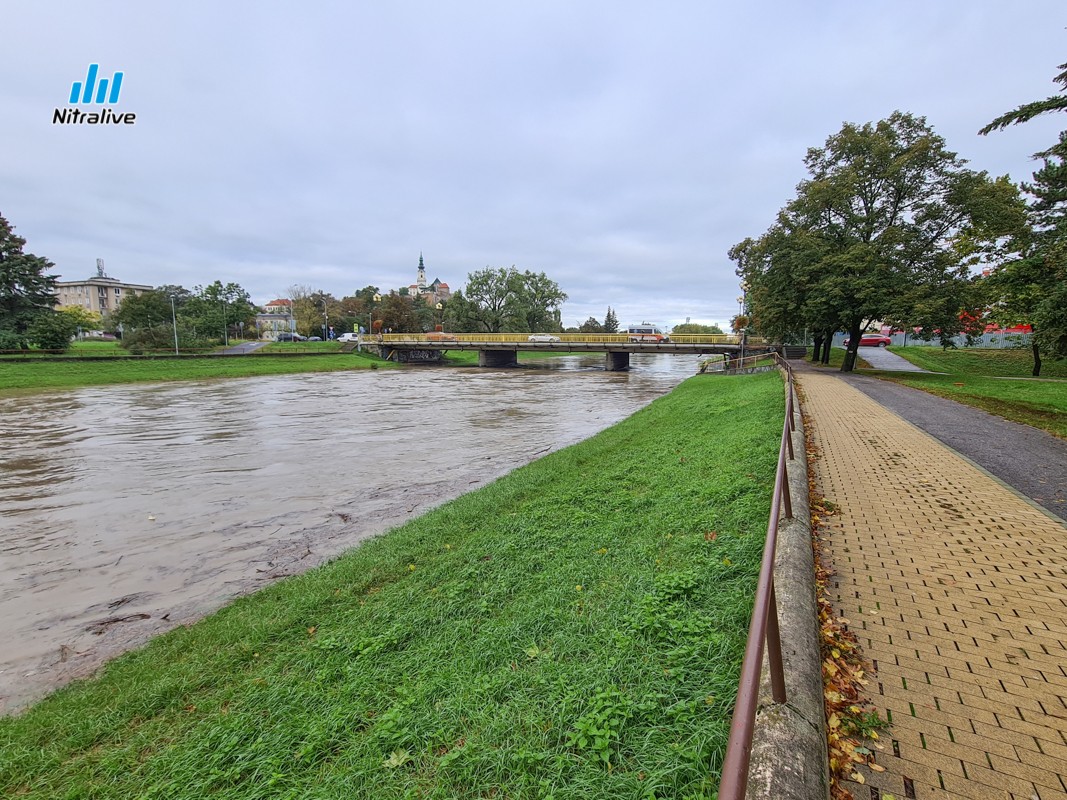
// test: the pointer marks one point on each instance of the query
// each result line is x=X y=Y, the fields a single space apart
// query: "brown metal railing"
x=764 y=625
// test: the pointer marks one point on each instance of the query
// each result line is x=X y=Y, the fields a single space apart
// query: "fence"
x=763 y=628
x=985 y=341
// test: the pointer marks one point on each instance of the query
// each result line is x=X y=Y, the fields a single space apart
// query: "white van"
x=646 y=333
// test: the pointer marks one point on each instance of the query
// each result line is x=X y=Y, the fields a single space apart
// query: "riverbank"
x=34 y=375
x=574 y=629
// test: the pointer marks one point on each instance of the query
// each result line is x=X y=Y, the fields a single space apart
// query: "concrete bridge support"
x=616 y=362
x=498 y=358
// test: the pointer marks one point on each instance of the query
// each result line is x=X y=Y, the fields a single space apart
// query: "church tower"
x=421 y=281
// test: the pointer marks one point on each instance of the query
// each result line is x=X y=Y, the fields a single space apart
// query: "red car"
x=873 y=340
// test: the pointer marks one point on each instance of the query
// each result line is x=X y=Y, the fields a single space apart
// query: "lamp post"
x=225 y=333
x=325 y=322
x=743 y=301
x=440 y=316
x=377 y=299
x=174 y=324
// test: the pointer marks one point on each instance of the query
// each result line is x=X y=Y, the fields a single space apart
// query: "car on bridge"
x=543 y=337
x=348 y=337
x=646 y=333
x=439 y=336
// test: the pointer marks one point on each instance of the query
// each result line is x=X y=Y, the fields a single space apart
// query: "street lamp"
x=174 y=323
x=377 y=299
x=440 y=316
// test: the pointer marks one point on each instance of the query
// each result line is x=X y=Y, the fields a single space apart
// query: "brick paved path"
x=957 y=589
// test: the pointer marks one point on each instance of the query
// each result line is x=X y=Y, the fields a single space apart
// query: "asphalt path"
x=880 y=358
x=243 y=349
x=1032 y=462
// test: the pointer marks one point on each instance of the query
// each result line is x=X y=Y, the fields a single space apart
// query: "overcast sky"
x=620 y=147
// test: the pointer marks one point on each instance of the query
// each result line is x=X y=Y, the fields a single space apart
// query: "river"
x=128 y=510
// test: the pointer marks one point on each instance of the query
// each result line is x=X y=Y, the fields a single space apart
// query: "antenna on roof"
x=100 y=268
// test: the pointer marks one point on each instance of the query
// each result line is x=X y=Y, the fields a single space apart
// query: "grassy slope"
x=41 y=375
x=1039 y=403
x=1008 y=363
x=470 y=357
x=574 y=630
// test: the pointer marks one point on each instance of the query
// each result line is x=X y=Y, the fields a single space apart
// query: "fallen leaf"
x=876 y=767
x=858 y=778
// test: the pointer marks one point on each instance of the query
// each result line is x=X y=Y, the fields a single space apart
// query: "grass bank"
x=1039 y=403
x=33 y=375
x=1006 y=363
x=470 y=357
x=573 y=630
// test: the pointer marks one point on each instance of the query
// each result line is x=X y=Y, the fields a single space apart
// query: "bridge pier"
x=498 y=358
x=616 y=362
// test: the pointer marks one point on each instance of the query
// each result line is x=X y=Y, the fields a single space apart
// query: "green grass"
x=301 y=347
x=1015 y=363
x=470 y=357
x=573 y=630
x=1041 y=404
x=32 y=375
x=837 y=357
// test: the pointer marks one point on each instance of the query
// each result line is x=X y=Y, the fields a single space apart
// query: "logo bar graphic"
x=80 y=93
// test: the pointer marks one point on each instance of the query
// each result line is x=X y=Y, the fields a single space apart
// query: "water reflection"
x=126 y=510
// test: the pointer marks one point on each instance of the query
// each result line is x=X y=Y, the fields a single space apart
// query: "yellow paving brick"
x=955 y=586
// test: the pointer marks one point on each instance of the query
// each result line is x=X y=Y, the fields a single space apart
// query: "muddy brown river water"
x=125 y=511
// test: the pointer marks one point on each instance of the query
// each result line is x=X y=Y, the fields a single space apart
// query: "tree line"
x=494 y=300
x=891 y=227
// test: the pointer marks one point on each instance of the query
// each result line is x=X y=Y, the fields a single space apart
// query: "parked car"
x=438 y=336
x=290 y=337
x=314 y=338
x=543 y=337
x=873 y=340
x=348 y=337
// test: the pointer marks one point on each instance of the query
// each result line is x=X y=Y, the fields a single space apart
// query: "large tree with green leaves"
x=504 y=299
x=887 y=216
x=1029 y=286
x=26 y=292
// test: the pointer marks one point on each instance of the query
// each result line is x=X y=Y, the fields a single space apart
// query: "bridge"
x=502 y=349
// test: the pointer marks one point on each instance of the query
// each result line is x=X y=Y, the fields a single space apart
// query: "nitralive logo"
x=94 y=91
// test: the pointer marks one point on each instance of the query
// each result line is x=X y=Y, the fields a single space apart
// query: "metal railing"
x=764 y=625
x=577 y=338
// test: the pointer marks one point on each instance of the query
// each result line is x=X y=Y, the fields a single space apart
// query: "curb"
x=789 y=759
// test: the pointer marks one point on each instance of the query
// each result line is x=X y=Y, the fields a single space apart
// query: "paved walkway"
x=957 y=590
x=880 y=358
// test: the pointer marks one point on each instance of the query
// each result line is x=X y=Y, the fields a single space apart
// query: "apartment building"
x=100 y=293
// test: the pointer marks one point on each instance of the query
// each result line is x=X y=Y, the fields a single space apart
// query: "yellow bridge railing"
x=575 y=338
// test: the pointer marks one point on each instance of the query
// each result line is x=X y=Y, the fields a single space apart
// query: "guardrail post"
x=774 y=650
x=787 y=500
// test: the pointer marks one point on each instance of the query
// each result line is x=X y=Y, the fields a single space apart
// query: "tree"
x=1029 y=285
x=696 y=328
x=25 y=291
x=591 y=325
x=217 y=310
x=83 y=318
x=888 y=215
x=611 y=322
x=141 y=311
x=398 y=314
x=1027 y=111
x=52 y=330
x=502 y=299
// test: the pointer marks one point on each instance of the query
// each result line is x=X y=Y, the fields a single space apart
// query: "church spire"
x=421 y=280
